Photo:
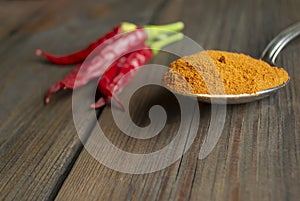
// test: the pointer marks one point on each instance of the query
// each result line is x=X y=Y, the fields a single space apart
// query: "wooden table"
x=41 y=157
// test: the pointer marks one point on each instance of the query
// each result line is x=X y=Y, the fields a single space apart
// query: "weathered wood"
x=257 y=156
x=39 y=144
x=13 y=15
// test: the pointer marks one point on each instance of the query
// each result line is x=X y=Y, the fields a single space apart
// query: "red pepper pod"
x=110 y=82
x=81 y=55
x=110 y=87
x=102 y=59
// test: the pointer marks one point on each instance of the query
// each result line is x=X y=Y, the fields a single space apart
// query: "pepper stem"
x=177 y=26
x=156 y=46
x=155 y=31
x=127 y=27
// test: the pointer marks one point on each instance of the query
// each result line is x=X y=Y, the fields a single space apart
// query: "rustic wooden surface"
x=41 y=157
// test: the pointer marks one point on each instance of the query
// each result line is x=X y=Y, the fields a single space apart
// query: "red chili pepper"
x=111 y=81
x=115 y=48
x=120 y=46
x=80 y=56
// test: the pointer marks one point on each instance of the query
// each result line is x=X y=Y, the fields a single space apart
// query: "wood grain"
x=257 y=156
x=39 y=144
x=13 y=15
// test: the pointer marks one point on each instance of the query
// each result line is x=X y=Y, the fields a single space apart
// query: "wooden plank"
x=14 y=14
x=257 y=156
x=39 y=144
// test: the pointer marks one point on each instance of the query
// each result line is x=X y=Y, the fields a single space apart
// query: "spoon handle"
x=272 y=50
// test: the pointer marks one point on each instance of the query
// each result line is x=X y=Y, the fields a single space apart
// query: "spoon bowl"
x=269 y=55
x=237 y=98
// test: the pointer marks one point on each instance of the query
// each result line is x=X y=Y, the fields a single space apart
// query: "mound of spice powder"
x=220 y=72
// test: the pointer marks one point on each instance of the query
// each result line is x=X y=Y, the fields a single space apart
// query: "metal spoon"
x=269 y=55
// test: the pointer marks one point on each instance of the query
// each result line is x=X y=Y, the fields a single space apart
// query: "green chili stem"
x=157 y=45
x=177 y=26
x=164 y=34
x=127 y=27
x=168 y=29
